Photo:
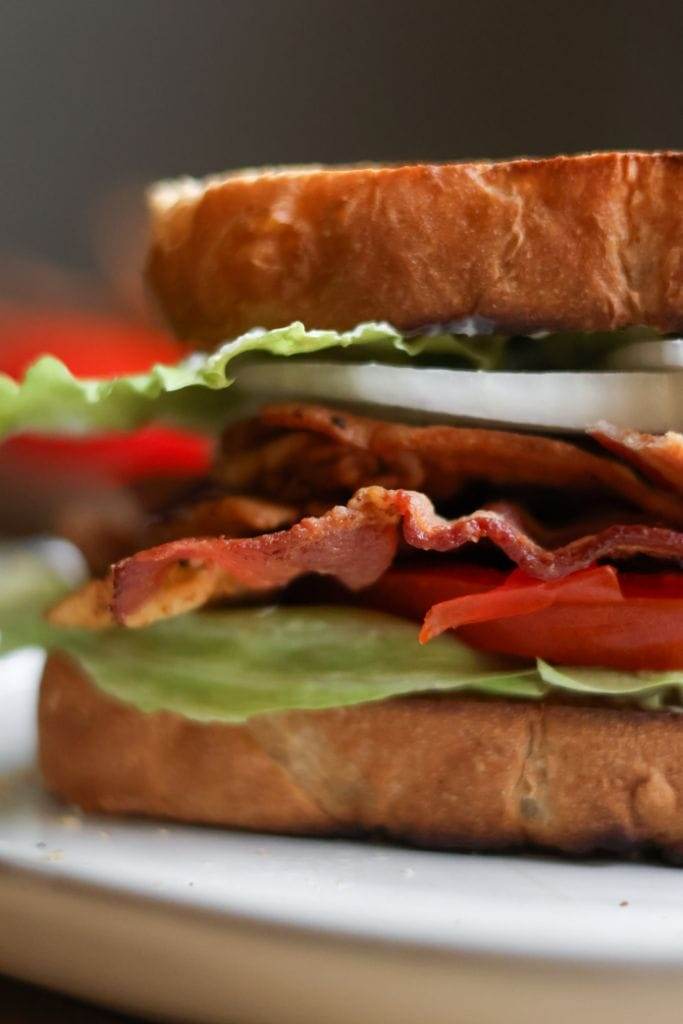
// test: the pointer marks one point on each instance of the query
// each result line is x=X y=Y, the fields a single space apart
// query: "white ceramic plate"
x=203 y=925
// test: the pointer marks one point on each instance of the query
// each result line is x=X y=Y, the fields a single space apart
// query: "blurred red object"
x=97 y=347
x=149 y=452
x=89 y=345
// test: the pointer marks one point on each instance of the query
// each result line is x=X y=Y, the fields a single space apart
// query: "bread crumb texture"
x=455 y=772
x=591 y=242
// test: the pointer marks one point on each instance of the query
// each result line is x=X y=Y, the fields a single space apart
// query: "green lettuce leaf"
x=232 y=664
x=229 y=665
x=28 y=585
x=51 y=400
x=646 y=688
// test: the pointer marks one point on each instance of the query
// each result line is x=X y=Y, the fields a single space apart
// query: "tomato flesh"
x=143 y=454
x=94 y=346
x=599 y=616
x=88 y=344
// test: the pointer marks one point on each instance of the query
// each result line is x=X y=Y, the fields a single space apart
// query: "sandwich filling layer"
x=499 y=558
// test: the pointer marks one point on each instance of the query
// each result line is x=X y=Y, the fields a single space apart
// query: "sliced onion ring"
x=551 y=401
x=666 y=354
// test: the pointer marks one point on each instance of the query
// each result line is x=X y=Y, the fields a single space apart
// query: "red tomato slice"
x=94 y=346
x=89 y=345
x=598 y=617
x=149 y=452
x=521 y=594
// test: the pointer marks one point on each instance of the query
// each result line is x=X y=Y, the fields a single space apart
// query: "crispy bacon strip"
x=354 y=545
x=357 y=544
x=232 y=515
x=294 y=451
x=657 y=456
x=184 y=588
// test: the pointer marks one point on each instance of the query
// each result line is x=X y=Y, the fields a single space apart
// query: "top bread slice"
x=582 y=243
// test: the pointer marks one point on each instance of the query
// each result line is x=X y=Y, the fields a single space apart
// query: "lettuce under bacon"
x=229 y=665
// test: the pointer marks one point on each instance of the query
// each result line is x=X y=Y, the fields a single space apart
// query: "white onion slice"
x=666 y=354
x=549 y=401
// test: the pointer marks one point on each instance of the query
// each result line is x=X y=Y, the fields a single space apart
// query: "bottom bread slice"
x=437 y=771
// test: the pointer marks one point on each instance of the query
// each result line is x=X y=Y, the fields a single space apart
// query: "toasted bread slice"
x=579 y=243
x=447 y=772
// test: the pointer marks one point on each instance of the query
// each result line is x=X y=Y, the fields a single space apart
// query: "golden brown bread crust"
x=433 y=771
x=591 y=242
x=105 y=756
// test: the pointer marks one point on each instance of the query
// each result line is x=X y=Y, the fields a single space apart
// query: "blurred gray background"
x=100 y=94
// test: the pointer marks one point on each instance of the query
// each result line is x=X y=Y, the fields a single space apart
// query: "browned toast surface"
x=443 y=772
x=581 y=243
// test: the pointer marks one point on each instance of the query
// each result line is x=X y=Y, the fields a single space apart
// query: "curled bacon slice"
x=354 y=545
x=357 y=544
x=293 y=452
x=657 y=456
x=231 y=515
